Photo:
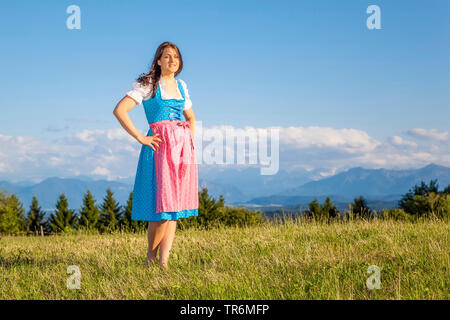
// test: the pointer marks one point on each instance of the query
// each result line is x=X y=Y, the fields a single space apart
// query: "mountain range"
x=248 y=188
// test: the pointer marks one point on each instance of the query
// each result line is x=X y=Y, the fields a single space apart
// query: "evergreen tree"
x=63 y=219
x=413 y=202
x=35 y=217
x=89 y=212
x=423 y=189
x=360 y=208
x=12 y=214
x=328 y=209
x=213 y=213
x=314 y=209
x=446 y=190
x=110 y=214
x=322 y=212
x=126 y=222
x=208 y=207
x=207 y=203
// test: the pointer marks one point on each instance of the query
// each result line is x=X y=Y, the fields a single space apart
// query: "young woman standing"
x=166 y=184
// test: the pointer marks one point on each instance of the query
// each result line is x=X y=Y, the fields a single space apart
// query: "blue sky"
x=294 y=64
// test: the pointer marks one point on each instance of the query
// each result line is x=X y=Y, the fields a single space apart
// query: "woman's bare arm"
x=121 y=113
x=190 y=116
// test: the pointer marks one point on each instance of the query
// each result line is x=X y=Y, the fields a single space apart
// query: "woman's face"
x=169 y=61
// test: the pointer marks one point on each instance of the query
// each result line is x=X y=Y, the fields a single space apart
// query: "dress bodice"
x=158 y=109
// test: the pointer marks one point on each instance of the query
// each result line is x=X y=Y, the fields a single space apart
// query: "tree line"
x=420 y=201
x=109 y=216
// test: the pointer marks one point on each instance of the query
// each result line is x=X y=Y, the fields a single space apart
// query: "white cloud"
x=350 y=140
x=399 y=141
x=101 y=171
x=113 y=153
x=331 y=172
x=80 y=153
x=431 y=134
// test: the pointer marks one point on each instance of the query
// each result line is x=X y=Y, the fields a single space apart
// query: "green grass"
x=296 y=260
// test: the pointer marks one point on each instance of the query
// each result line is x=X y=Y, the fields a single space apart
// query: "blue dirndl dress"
x=145 y=185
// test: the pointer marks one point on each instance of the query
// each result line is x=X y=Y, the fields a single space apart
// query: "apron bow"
x=184 y=124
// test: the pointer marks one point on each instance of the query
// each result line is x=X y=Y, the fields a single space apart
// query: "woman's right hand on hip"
x=151 y=140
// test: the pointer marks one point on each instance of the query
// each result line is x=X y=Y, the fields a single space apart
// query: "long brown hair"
x=152 y=77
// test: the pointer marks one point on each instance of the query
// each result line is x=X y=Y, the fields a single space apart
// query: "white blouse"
x=139 y=93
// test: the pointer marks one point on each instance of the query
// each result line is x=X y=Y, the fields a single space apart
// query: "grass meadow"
x=296 y=259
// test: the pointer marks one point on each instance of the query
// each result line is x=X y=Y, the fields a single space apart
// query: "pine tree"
x=413 y=201
x=89 y=212
x=208 y=207
x=208 y=204
x=64 y=219
x=360 y=208
x=126 y=222
x=12 y=215
x=109 y=213
x=314 y=209
x=446 y=190
x=328 y=209
x=35 y=217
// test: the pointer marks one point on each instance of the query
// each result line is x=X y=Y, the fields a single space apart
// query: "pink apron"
x=175 y=166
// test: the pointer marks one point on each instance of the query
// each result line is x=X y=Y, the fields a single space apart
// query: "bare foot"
x=149 y=262
x=164 y=266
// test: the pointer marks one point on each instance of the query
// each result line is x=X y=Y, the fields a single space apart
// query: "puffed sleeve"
x=188 y=102
x=139 y=92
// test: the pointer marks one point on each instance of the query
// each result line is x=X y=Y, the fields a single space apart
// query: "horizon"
x=47 y=192
x=97 y=178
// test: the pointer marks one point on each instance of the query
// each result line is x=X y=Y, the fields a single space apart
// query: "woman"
x=166 y=184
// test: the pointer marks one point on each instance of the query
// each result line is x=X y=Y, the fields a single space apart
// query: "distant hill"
x=247 y=187
x=244 y=184
x=373 y=182
x=48 y=190
x=382 y=187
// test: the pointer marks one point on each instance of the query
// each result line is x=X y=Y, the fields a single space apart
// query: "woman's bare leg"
x=156 y=230
x=166 y=243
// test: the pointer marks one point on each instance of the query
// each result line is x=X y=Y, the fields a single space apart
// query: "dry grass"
x=286 y=261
